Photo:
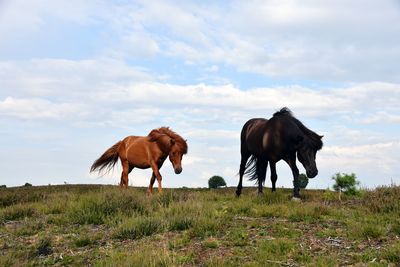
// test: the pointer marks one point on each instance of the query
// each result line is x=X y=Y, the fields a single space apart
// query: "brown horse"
x=145 y=152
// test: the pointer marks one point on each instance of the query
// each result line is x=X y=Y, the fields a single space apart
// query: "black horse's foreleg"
x=242 y=169
x=295 y=171
x=274 y=176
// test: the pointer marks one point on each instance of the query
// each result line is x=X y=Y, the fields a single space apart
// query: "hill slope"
x=108 y=226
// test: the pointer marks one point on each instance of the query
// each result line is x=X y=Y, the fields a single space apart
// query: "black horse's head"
x=306 y=154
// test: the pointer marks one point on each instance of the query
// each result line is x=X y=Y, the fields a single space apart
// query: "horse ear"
x=320 y=137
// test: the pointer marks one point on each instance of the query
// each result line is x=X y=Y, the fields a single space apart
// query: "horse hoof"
x=238 y=194
x=296 y=199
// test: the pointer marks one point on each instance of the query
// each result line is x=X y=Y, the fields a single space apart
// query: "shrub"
x=383 y=199
x=216 y=181
x=345 y=183
x=27 y=184
x=303 y=180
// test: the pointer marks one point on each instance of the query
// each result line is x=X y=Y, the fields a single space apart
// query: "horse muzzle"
x=178 y=170
x=312 y=174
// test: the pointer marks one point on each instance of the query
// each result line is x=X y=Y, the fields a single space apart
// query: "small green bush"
x=216 y=181
x=346 y=183
x=303 y=181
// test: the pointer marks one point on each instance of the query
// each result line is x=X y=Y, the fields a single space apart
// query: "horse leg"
x=295 y=171
x=156 y=172
x=242 y=169
x=274 y=176
x=261 y=173
x=152 y=180
x=124 y=174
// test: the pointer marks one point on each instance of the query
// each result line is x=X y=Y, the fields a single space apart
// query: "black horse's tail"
x=255 y=169
x=107 y=160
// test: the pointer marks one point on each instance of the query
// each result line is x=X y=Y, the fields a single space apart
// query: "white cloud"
x=382 y=117
x=36 y=109
x=374 y=163
x=311 y=40
x=213 y=68
x=301 y=40
x=63 y=78
x=139 y=45
x=19 y=18
x=127 y=94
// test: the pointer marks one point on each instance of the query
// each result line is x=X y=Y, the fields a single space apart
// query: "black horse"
x=280 y=137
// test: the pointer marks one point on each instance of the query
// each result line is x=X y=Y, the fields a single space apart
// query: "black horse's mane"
x=315 y=139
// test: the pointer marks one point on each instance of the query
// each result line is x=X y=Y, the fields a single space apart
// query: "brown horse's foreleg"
x=156 y=172
x=152 y=180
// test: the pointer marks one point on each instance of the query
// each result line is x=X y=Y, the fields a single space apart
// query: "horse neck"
x=164 y=145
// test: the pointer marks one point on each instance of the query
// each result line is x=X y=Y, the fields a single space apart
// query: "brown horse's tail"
x=107 y=160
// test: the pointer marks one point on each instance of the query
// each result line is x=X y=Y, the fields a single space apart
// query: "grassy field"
x=107 y=226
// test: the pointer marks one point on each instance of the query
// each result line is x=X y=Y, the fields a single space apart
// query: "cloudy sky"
x=77 y=76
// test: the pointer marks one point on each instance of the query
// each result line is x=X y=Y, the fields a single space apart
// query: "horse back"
x=270 y=139
x=252 y=136
x=139 y=151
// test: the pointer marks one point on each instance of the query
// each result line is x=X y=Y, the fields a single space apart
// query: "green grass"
x=81 y=225
x=138 y=226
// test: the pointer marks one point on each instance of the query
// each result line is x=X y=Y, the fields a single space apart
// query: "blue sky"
x=77 y=76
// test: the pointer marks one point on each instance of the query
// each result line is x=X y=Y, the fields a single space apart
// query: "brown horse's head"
x=172 y=144
x=175 y=156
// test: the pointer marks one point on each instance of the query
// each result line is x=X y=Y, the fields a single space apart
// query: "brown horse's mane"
x=156 y=134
